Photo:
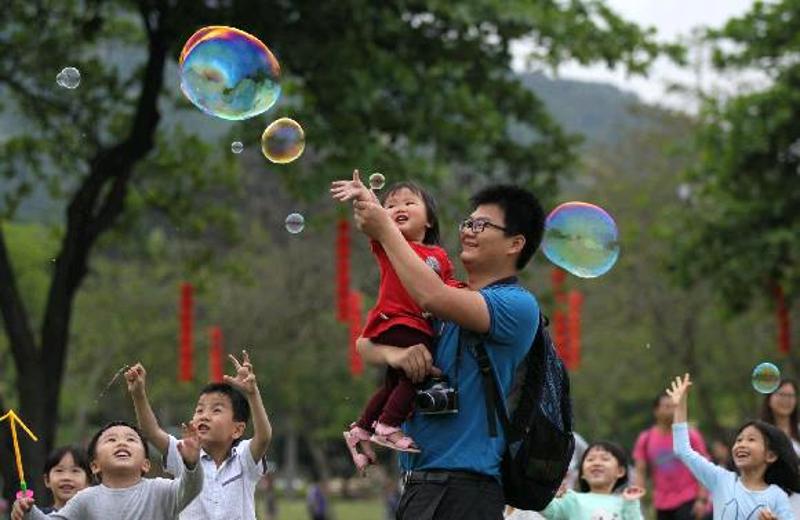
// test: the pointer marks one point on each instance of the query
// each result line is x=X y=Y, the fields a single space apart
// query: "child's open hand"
x=766 y=514
x=633 y=493
x=245 y=379
x=21 y=506
x=135 y=377
x=679 y=389
x=189 y=445
x=352 y=190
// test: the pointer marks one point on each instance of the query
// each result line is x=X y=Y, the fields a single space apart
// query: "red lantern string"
x=560 y=331
x=784 y=325
x=215 y=355
x=574 y=329
x=185 y=352
x=342 y=270
x=356 y=364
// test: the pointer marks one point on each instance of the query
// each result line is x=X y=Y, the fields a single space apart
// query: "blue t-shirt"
x=461 y=441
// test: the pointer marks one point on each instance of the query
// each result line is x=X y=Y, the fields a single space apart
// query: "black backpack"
x=539 y=440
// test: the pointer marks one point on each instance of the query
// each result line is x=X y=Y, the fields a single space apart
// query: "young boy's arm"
x=135 y=376
x=245 y=381
x=190 y=483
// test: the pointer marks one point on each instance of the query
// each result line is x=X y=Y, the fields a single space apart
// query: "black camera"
x=437 y=397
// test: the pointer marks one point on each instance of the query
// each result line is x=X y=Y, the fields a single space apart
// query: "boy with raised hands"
x=118 y=458
x=232 y=466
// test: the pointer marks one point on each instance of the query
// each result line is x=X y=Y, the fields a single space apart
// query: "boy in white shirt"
x=232 y=466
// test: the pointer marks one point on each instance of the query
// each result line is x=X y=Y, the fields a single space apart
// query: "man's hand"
x=372 y=219
x=189 y=445
x=21 y=506
x=415 y=361
x=352 y=190
x=245 y=379
x=633 y=493
x=135 y=377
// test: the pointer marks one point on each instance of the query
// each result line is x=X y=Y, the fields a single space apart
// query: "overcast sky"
x=672 y=19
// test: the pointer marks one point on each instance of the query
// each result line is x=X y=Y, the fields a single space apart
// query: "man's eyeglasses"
x=786 y=395
x=477 y=225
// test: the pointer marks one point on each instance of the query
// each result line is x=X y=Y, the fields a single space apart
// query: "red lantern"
x=342 y=270
x=185 y=348
x=215 y=372
x=784 y=325
x=356 y=364
x=558 y=277
x=574 y=329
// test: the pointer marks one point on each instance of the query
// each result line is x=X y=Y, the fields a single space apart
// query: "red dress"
x=394 y=305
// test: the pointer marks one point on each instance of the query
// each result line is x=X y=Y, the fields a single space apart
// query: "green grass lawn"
x=291 y=509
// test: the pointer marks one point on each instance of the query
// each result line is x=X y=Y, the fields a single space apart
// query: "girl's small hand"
x=633 y=493
x=352 y=190
x=562 y=490
x=679 y=389
x=766 y=514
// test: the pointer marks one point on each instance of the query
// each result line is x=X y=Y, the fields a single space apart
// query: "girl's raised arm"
x=707 y=473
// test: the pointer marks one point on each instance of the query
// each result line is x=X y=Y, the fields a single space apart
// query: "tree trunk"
x=94 y=208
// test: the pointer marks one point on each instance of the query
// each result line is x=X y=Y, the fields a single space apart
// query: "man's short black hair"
x=523 y=215
x=92 y=449
x=241 y=409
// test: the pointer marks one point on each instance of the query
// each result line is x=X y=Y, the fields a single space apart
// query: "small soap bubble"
x=377 y=181
x=295 y=223
x=228 y=73
x=237 y=147
x=283 y=141
x=766 y=378
x=69 y=77
x=581 y=238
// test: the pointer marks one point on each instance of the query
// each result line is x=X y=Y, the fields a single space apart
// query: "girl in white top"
x=780 y=409
x=766 y=467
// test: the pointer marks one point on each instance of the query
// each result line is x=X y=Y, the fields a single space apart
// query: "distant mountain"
x=598 y=111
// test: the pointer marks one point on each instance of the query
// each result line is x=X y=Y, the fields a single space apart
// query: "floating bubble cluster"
x=581 y=238
x=237 y=147
x=377 y=181
x=295 y=223
x=283 y=141
x=69 y=77
x=229 y=73
x=766 y=378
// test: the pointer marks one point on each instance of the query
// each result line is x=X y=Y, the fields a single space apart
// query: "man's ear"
x=145 y=466
x=238 y=430
x=517 y=243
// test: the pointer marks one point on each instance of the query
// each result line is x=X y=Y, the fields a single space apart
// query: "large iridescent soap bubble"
x=582 y=239
x=283 y=141
x=229 y=73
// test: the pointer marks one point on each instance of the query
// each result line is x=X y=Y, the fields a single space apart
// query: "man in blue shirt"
x=457 y=475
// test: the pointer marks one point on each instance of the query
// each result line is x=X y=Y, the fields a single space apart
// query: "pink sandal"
x=357 y=437
x=383 y=434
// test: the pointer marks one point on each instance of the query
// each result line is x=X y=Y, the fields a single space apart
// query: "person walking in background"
x=780 y=410
x=676 y=493
x=317 y=502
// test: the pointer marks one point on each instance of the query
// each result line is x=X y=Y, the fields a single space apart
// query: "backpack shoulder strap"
x=495 y=407
x=493 y=396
